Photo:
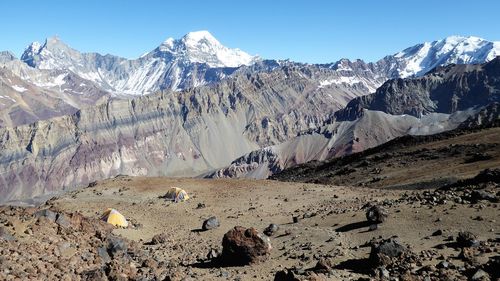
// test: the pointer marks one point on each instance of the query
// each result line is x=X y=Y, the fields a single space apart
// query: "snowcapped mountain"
x=175 y=64
x=78 y=79
x=202 y=47
x=419 y=59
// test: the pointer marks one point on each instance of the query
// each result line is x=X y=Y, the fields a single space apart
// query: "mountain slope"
x=408 y=162
x=170 y=133
x=438 y=101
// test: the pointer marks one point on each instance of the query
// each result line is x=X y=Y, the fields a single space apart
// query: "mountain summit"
x=202 y=47
x=175 y=64
x=419 y=59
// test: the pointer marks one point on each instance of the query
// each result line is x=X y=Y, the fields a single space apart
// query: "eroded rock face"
x=170 y=133
x=241 y=246
x=418 y=106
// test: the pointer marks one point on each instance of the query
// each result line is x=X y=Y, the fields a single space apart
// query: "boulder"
x=242 y=246
x=210 y=223
x=46 y=213
x=376 y=214
x=383 y=252
x=467 y=239
x=62 y=220
x=488 y=175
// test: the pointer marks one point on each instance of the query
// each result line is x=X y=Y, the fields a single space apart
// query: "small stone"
x=210 y=223
x=271 y=229
x=443 y=264
x=323 y=266
x=373 y=227
x=480 y=275
x=382 y=273
x=212 y=254
x=159 y=239
x=437 y=232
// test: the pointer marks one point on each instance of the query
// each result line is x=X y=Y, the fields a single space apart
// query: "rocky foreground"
x=247 y=230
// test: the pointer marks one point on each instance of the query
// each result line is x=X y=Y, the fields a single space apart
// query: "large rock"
x=467 y=239
x=488 y=175
x=241 y=246
x=376 y=214
x=385 y=251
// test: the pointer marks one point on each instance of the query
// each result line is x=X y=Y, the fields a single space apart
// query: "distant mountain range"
x=67 y=118
x=53 y=79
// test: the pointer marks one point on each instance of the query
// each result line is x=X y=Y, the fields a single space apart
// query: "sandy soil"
x=333 y=228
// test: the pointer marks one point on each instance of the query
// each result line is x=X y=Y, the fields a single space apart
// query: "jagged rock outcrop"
x=444 y=90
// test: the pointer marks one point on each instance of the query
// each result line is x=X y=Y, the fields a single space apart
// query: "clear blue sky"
x=306 y=31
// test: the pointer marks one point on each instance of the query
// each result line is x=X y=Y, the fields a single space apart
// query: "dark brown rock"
x=243 y=246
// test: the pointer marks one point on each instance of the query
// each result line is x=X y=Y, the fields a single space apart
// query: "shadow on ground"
x=353 y=226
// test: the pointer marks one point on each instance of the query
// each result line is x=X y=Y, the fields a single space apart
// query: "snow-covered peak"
x=53 y=54
x=197 y=37
x=168 y=44
x=419 y=59
x=202 y=47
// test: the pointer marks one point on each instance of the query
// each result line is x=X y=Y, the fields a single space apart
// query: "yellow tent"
x=177 y=195
x=114 y=217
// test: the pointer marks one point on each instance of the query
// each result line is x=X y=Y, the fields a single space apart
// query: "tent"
x=114 y=217
x=177 y=195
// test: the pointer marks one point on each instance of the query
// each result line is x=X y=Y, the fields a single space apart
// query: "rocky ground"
x=321 y=232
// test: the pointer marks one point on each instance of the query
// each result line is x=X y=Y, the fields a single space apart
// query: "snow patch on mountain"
x=421 y=58
x=19 y=89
